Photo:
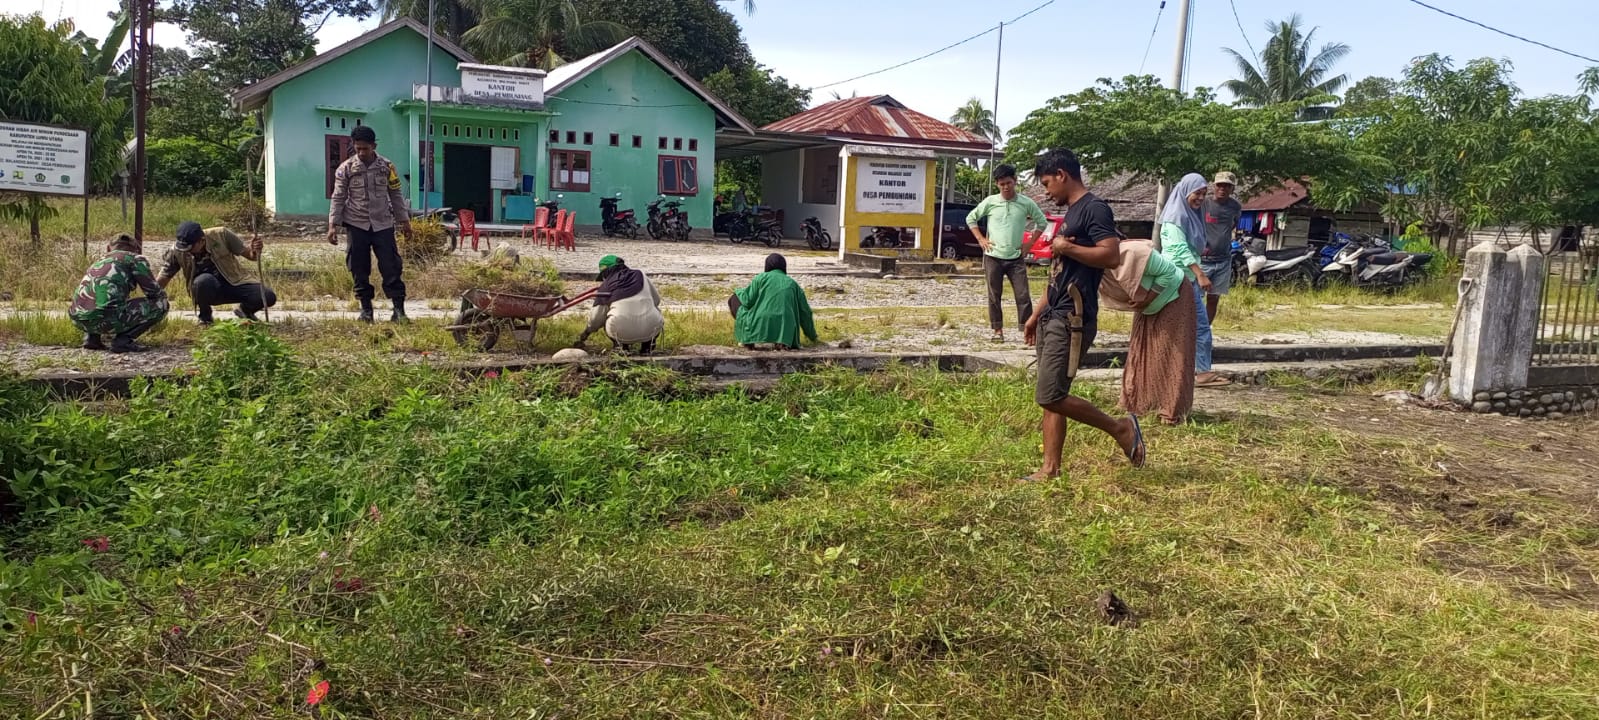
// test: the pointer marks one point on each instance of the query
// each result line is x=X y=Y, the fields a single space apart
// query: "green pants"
x=132 y=318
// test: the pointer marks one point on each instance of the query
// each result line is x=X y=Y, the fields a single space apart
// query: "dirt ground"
x=1531 y=485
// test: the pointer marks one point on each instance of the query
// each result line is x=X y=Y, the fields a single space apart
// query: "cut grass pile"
x=623 y=545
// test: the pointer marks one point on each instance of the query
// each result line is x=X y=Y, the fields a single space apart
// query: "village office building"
x=624 y=121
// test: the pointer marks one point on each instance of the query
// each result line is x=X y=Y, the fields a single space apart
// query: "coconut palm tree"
x=1288 y=71
x=531 y=33
x=452 y=18
x=976 y=119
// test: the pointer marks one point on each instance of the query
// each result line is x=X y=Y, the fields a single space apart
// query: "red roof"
x=876 y=118
x=1289 y=195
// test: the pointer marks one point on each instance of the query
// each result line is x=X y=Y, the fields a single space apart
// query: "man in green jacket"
x=1007 y=214
x=772 y=310
x=209 y=259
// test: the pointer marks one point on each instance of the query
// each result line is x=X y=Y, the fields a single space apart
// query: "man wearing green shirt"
x=1008 y=214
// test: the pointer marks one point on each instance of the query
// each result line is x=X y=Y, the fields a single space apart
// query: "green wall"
x=652 y=105
x=366 y=81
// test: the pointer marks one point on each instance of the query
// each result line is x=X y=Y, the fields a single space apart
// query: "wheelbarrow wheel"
x=482 y=330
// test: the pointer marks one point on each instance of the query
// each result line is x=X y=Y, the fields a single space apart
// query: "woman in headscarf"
x=772 y=310
x=1182 y=235
x=1159 y=373
x=626 y=306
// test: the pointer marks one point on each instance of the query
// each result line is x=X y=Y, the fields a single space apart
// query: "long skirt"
x=1159 y=374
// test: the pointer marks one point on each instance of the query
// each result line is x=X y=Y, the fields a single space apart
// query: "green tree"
x=762 y=97
x=243 y=41
x=698 y=35
x=451 y=18
x=44 y=79
x=533 y=33
x=976 y=119
x=1288 y=71
x=1138 y=126
x=1365 y=95
x=1459 y=148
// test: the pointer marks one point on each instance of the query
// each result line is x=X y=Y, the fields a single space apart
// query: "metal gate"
x=1568 y=321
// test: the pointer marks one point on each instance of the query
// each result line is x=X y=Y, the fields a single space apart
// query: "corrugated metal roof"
x=878 y=117
x=1277 y=199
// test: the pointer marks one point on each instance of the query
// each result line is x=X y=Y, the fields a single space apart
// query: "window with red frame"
x=678 y=175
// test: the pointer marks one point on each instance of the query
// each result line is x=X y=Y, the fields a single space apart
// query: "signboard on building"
x=494 y=85
x=43 y=159
x=891 y=185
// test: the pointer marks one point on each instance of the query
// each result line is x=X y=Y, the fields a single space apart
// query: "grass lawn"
x=621 y=545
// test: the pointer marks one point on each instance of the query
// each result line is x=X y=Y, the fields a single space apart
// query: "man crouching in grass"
x=1066 y=318
x=104 y=304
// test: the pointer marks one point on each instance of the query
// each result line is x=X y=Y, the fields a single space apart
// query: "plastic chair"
x=467 y=221
x=568 y=234
x=551 y=231
x=541 y=218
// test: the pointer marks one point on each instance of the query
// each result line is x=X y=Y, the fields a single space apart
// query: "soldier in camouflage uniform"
x=104 y=304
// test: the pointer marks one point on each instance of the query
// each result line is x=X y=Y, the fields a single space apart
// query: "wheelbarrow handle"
x=585 y=295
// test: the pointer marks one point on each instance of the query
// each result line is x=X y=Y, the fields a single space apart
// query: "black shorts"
x=1054 y=358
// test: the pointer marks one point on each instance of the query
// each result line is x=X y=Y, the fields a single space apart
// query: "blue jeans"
x=1205 y=340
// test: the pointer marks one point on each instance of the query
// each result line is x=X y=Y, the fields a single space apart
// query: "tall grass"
x=622 y=545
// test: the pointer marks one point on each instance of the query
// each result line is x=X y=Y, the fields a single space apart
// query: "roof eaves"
x=255 y=94
x=671 y=68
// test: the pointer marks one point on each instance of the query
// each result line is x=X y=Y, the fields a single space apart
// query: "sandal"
x=1211 y=380
x=1139 y=452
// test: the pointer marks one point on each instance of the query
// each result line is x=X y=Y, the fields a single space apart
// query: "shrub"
x=427 y=242
x=186 y=166
x=245 y=212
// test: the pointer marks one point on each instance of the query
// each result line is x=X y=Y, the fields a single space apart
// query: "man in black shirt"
x=1066 y=318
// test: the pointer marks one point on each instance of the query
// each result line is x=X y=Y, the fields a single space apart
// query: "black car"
x=955 y=239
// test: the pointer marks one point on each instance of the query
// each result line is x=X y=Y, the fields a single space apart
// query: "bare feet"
x=1210 y=379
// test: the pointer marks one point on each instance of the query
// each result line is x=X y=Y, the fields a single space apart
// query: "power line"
x=1240 y=24
x=1504 y=33
x=1158 y=12
x=935 y=52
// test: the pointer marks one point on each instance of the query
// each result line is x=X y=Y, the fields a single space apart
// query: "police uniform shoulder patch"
x=394 y=178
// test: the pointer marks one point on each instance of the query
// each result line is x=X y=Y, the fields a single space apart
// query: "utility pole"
x=1178 y=64
x=999 y=53
x=143 y=16
x=427 y=120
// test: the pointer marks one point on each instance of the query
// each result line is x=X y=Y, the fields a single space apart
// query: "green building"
x=626 y=120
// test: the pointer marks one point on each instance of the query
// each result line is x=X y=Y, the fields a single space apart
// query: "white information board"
x=890 y=185
x=488 y=85
x=43 y=159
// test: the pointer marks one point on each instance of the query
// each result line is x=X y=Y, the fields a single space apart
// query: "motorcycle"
x=553 y=206
x=882 y=237
x=1370 y=262
x=445 y=217
x=1289 y=266
x=617 y=223
x=741 y=226
x=769 y=231
x=667 y=220
x=815 y=236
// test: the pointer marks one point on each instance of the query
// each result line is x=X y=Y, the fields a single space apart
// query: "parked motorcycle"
x=1368 y=261
x=553 y=206
x=1289 y=266
x=444 y=216
x=667 y=220
x=741 y=226
x=815 y=236
x=617 y=223
x=769 y=231
x=882 y=237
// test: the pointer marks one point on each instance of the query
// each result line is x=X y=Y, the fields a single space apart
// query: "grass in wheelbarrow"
x=535 y=276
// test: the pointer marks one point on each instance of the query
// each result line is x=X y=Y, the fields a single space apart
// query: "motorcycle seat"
x=1286 y=253
x=1387 y=258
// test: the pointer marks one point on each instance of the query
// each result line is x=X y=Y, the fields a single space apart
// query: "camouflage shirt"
x=109 y=283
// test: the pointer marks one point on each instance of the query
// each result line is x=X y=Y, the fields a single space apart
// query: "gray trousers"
x=995 y=271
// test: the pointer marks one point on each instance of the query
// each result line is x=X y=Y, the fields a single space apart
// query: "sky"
x=1067 y=45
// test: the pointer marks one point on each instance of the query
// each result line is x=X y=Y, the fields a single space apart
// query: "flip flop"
x=1214 y=381
x=1139 y=447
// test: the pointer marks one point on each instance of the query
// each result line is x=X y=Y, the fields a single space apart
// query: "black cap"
x=189 y=233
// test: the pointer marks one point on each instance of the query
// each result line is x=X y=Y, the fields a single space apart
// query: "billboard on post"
x=43 y=159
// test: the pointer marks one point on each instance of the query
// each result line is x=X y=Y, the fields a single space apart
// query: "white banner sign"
x=43 y=159
x=889 y=185
x=502 y=169
x=501 y=87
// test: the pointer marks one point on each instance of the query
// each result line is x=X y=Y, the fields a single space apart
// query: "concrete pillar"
x=1483 y=354
x=1527 y=262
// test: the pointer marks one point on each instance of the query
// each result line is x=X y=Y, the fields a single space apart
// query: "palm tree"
x=531 y=33
x=1288 y=72
x=452 y=18
x=976 y=119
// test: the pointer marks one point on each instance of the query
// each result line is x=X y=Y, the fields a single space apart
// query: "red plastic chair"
x=541 y=218
x=467 y=222
x=568 y=235
x=552 y=232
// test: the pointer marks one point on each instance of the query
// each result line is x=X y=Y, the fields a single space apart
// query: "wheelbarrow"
x=485 y=314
